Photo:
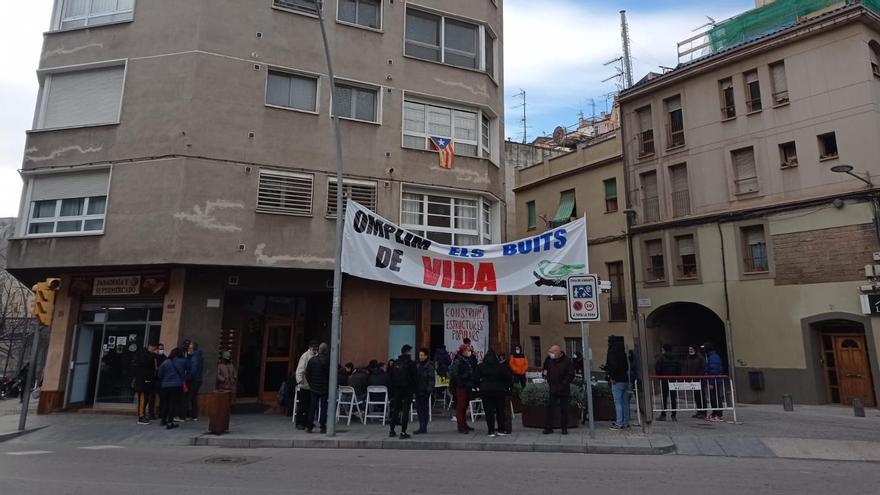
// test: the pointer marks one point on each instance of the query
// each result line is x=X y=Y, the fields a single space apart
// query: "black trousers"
x=521 y=379
x=560 y=401
x=668 y=396
x=172 y=402
x=493 y=404
x=318 y=411
x=192 y=399
x=302 y=410
x=698 y=400
x=400 y=411
x=423 y=409
x=716 y=398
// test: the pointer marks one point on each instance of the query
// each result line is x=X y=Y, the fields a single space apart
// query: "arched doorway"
x=842 y=345
x=682 y=324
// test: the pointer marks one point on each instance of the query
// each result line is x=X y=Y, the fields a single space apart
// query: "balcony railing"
x=780 y=97
x=674 y=137
x=651 y=209
x=646 y=143
x=754 y=105
x=746 y=185
x=728 y=112
x=755 y=260
x=687 y=271
x=681 y=203
x=656 y=273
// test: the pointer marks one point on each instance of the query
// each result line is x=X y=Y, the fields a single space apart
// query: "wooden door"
x=278 y=360
x=853 y=370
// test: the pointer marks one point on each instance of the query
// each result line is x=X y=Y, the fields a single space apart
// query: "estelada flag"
x=445 y=149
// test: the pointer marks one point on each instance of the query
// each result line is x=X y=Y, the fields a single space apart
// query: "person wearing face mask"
x=519 y=365
x=305 y=394
x=461 y=381
x=695 y=365
x=559 y=373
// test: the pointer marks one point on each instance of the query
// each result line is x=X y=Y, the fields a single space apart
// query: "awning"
x=566 y=207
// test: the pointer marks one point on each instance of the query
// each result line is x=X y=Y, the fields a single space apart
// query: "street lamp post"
x=848 y=170
x=335 y=339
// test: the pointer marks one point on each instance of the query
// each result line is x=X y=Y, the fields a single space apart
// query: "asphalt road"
x=82 y=469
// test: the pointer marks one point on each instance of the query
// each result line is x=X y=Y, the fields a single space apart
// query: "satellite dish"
x=559 y=134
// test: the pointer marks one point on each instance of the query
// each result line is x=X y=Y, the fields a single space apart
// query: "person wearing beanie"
x=227 y=376
x=461 y=381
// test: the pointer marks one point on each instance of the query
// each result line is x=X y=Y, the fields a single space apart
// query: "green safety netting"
x=771 y=17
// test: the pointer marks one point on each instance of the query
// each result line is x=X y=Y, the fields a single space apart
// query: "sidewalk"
x=10 y=411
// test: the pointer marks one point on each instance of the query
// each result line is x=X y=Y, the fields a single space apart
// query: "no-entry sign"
x=583 y=298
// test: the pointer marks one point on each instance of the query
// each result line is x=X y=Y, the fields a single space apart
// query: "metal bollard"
x=787 y=403
x=858 y=408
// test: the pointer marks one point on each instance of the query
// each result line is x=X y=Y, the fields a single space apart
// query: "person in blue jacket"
x=194 y=380
x=172 y=376
x=714 y=367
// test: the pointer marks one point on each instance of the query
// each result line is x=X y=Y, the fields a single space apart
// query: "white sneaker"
x=492 y=435
x=502 y=434
x=453 y=419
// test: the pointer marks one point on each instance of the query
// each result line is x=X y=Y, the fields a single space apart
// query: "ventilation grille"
x=363 y=192
x=285 y=193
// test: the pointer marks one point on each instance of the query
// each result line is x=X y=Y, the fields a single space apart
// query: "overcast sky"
x=555 y=53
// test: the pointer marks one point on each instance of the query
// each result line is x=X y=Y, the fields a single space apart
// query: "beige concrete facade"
x=585 y=171
x=779 y=242
x=195 y=131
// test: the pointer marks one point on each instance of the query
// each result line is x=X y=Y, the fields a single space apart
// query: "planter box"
x=603 y=409
x=533 y=417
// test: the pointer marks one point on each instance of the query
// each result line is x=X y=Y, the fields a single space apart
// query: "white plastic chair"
x=295 y=403
x=475 y=409
x=348 y=398
x=371 y=403
x=414 y=415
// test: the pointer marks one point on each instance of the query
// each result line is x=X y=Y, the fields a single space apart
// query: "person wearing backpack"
x=172 y=375
x=461 y=381
x=402 y=385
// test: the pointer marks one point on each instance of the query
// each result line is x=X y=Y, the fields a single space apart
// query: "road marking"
x=102 y=447
x=30 y=452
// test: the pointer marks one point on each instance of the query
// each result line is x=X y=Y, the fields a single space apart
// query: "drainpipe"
x=728 y=328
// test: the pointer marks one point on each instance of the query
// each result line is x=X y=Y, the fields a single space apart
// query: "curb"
x=15 y=434
x=271 y=443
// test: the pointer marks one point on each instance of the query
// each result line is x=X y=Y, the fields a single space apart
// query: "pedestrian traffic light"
x=44 y=300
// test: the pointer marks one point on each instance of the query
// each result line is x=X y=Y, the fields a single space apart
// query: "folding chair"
x=295 y=403
x=414 y=415
x=348 y=398
x=374 y=403
x=475 y=409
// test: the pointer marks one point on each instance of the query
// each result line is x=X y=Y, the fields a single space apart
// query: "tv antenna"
x=524 y=119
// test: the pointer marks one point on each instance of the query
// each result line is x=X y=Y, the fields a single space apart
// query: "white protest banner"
x=377 y=249
x=466 y=321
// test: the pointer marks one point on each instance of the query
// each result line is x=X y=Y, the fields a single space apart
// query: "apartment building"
x=750 y=172
x=587 y=181
x=179 y=177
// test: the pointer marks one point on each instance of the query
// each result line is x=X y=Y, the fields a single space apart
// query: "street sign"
x=871 y=304
x=583 y=298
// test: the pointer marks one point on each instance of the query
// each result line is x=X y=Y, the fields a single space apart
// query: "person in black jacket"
x=461 y=382
x=617 y=368
x=318 y=378
x=403 y=381
x=494 y=379
x=427 y=379
x=667 y=365
x=559 y=373
x=145 y=381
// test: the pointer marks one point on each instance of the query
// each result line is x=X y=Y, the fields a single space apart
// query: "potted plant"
x=534 y=399
x=515 y=393
x=603 y=403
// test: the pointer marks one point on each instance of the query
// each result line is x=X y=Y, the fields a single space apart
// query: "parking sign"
x=583 y=298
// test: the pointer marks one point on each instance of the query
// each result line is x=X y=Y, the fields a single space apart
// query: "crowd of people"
x=700 y=361
x=167 y=386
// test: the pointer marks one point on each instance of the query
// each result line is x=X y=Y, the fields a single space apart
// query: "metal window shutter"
x=84 y=97
x=685 y=246
x=649 y=184
x=679 y=178
x=751 y=77
x=363 y=193
x=726 y=84
x=744 y=164
x=71 y=185
x=777 y=72
x=610 y=188
x=673 y=104
x=754 y=235
x=655 y=248
x=645 y=119
x=286 y=193
x=533 y=213
x=566 y=207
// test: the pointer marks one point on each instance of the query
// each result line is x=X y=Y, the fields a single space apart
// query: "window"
x=356 y=102
x=779 y=83
x=367 y=13
x=687 y=257
x=452 y=220
x=364 y=192
x=874 y=49
x=537 y=352
x=306 y=6
x=574 y=345
x=675 y=123
x=755 y=249
x=827 y=146
x=532 y=215
x=567 y=209
x=788 y=155
x=650 y=197
x=67 y=216
x=81 y=98
x=449 y=41
x=610 y=195
x=681 y=195
x=656 y=267
x=617 y=299
x=728 y=105
x=485 y=136
x=285 y=193
x=744 y=171
x=85 y=13
x=292 y=91
x=646 y=132
x=753 y=91
x=535 y=309
x=423 y=121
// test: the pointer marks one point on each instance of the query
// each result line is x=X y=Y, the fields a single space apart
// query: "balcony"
x=651 y=209
x=681 y=203
x=646 y=143
x=674 y=136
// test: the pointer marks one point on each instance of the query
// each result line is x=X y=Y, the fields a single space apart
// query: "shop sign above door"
x=117 y=286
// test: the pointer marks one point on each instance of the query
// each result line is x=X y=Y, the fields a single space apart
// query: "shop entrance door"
x=853 y=370
x=81 y=357
x=278 y=358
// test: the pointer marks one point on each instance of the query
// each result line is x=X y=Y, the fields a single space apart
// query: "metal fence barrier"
x=709 y=394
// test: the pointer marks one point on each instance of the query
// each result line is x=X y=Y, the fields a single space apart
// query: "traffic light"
x=44 y=300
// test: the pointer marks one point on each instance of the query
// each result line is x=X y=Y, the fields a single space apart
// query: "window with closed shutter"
x=745 y=171
x=81 y=98
x=68 y=203
x=681 y=201
x=285 y=193
x=779 y=82
x=650 y=197
x=675 y=123
x=610 y=195
x=363 y=192
x=687 y=257
x=307 y=6
x=76 y=14
x=646 y=131
x=656 y=266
